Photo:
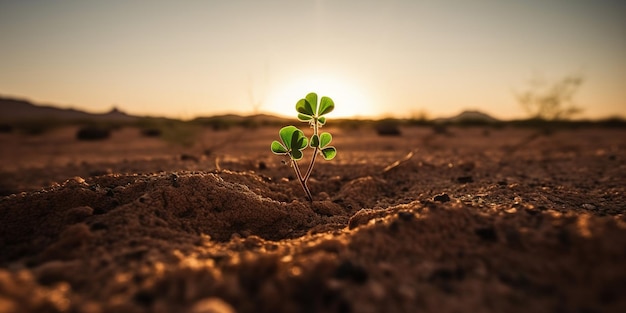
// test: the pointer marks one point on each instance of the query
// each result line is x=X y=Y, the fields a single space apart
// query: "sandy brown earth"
x=466 y=220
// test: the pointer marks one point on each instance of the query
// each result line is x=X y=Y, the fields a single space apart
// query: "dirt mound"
x=218 y=206
x=174 y=244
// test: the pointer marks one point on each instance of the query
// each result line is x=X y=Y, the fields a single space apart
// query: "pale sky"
x=392 y=58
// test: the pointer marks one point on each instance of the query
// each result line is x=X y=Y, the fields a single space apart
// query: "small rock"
x=444 y=197
x=174 y=179
x=588 y=206
x=76 y=181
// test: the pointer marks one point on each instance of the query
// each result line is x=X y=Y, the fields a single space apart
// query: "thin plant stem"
x=302 y=180
x=310 y=169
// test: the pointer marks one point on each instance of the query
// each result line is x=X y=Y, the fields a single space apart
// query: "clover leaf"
x=309 y=110
x=321 y=142
x=293 y=142
x=328 y=152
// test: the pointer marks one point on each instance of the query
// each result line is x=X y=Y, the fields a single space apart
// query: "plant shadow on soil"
x=447 y=228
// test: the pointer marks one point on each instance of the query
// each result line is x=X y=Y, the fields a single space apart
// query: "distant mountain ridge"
x=20 y=109
x=14 y=109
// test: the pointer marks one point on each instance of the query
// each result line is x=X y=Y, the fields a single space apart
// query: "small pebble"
x=444 y=197
x=174 y=179
x=588 y=206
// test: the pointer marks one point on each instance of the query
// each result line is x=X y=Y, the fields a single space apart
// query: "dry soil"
x=435 y=220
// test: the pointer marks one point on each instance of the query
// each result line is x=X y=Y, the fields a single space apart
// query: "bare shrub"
x=551 y=101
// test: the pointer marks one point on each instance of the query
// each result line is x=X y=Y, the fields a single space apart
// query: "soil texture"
x=474 y=219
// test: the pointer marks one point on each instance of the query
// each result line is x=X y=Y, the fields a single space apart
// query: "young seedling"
x=294 y=141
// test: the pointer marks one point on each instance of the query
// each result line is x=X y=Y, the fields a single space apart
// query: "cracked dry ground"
x=468 y=220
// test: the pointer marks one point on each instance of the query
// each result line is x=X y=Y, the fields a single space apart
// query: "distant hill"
x=12 y=109
x=469 y=117
x=240 y=119
x=19 y=109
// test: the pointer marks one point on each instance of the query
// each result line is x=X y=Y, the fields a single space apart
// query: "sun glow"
x=350 y=101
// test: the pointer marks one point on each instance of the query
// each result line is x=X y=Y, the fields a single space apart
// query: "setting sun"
x=351 y=101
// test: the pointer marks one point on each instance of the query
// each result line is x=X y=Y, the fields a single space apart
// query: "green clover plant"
x=294 y=141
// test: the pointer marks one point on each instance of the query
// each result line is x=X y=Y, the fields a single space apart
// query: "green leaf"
x=326 y=106
x=298 y=141
x=304 y=107
x=286 y=133
x=278 y=147
x=293 y=141
x=329 y=153
x=315 y=141
x=325 y=139
x=312 y=99
x=321 y=120
x=296 y=155
x=304 y=117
